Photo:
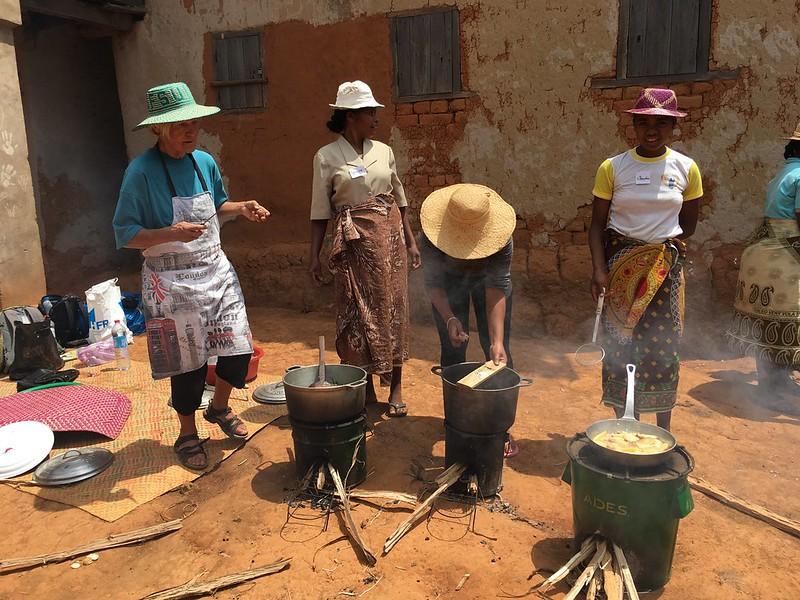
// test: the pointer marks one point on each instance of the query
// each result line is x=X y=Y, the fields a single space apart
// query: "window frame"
x=456 y=74
x=702 y=70
x=217 y=85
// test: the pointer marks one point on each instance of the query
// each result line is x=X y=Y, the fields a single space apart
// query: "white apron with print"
x=191 y=294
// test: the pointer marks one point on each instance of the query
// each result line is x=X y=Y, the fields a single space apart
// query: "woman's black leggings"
x=187 y=388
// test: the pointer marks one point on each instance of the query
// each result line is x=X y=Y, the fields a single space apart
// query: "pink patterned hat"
x=657 y=101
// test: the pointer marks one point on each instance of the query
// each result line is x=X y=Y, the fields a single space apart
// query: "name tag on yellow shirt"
x=643 y=178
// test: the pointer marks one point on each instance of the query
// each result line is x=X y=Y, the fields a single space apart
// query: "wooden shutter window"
x=238 y=71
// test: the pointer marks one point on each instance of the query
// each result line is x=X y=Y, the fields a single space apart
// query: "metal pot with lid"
x=340 y=401
x=73 y=466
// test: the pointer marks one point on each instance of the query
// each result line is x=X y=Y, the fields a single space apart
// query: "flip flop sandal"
x=397 y=409
x=228 y=426
x=185 y=453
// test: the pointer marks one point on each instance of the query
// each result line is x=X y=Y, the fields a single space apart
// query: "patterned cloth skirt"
x=370 y=266
x=766 y=320
x=643 y=321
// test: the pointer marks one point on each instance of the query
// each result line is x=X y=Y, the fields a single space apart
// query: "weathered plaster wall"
x=534 y=129
x=21 y=270
x=77 y=150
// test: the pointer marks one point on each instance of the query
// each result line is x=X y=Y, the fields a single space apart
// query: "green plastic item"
x=50 y=385
x=638 y=510
x=335 y=444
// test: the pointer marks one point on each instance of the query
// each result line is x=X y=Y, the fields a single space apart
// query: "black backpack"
x=70 y=320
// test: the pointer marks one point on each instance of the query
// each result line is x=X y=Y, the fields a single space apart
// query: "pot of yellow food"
x=628 y=442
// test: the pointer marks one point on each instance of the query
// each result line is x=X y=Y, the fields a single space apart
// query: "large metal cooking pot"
x=490 y=407
x=629 y=424
x=341 y=401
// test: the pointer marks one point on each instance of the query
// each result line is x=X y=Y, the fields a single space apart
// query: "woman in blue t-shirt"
x=170 y=207
x=766 y=321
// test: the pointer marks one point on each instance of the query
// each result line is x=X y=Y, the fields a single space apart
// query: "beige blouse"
x=343 y=178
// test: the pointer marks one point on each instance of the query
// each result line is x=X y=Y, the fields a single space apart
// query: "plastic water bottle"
x=120 y=336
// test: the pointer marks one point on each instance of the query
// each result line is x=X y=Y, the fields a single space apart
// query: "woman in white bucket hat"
x=356 y=185
x=170 y=207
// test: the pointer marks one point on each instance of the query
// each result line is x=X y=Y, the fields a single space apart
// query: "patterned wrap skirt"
x=643 y=320
x=766 y=320
x=370 y=266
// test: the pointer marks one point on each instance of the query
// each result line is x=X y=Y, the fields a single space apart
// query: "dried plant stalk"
x=192 y=589
x=397 y=497
x=444 y=481
x=612 y=580
x=113 y=541
x=595 y=583
x=348 y=517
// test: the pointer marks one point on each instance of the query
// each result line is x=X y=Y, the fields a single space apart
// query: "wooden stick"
x=444 y=481
x=191 y=589
x=462 y=582
x=113 y=541
x=777 y=521
x=627 y=578
x=589 y=571
x=595 y=583
x=612 y=580
x=396 y=497
x=587 y=547
x=348 y=517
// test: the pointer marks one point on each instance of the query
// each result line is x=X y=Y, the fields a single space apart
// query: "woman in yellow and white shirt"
x=646 y=201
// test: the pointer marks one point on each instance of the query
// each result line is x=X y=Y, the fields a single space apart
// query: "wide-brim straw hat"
x=173 y=103
x=353 y=95
x=467 y=221
x=796 y=135
x=657 y=101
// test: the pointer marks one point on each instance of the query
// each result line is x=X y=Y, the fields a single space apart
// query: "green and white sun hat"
x=173 y=103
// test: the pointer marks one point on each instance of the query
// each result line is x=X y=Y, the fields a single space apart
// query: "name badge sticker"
x=643 y=178
x=356 y=172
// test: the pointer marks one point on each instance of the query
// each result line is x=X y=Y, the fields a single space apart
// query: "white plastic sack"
x=103 y=303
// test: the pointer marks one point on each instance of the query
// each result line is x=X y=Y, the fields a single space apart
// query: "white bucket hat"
x=353 y=95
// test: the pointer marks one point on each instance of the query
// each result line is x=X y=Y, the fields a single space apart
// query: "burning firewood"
x=587 y=574
x=588 y=546
x=596 y=582
x=612 y=580
x=627 y=578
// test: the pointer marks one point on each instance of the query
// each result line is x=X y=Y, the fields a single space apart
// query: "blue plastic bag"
x=134 y=315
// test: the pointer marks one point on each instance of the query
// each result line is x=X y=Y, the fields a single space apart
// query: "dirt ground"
x=738 y=444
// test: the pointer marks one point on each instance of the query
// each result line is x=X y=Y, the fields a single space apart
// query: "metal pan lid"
x=270 y=393
x=73 y=466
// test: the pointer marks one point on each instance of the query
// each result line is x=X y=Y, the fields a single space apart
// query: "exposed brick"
x=519 y=262
x=620 y=105
x=690 y=101
x=454 y=130
x=575 y=263
x=404 y=109
x=453 y=179
x=702 y=87
x=681 y=89
x=730 y=83
x=458 y=104
x=696 y=114
x=576 y=225
x=625 y=119
x=580 y=238
x=543 y=264
x=424 y=192
x=407 y=121
x=440 y=119
x=561 y=237
x=612 y=93
x=422 y=107
x=632 y=93
x=439 y=106
x=460 y=116
x=522 y=239
x=420 y=180
x=437 y=181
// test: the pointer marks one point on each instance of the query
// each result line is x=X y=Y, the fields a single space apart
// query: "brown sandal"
x=187 y=452
x=228 y=426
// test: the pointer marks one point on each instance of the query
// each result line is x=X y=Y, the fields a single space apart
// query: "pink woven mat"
x=69 y=408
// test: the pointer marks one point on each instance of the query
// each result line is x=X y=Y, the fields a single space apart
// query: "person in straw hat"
x=356 y=185
x=170 y=207
x=766 y=321
x=467 y=247
x=646 y=202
